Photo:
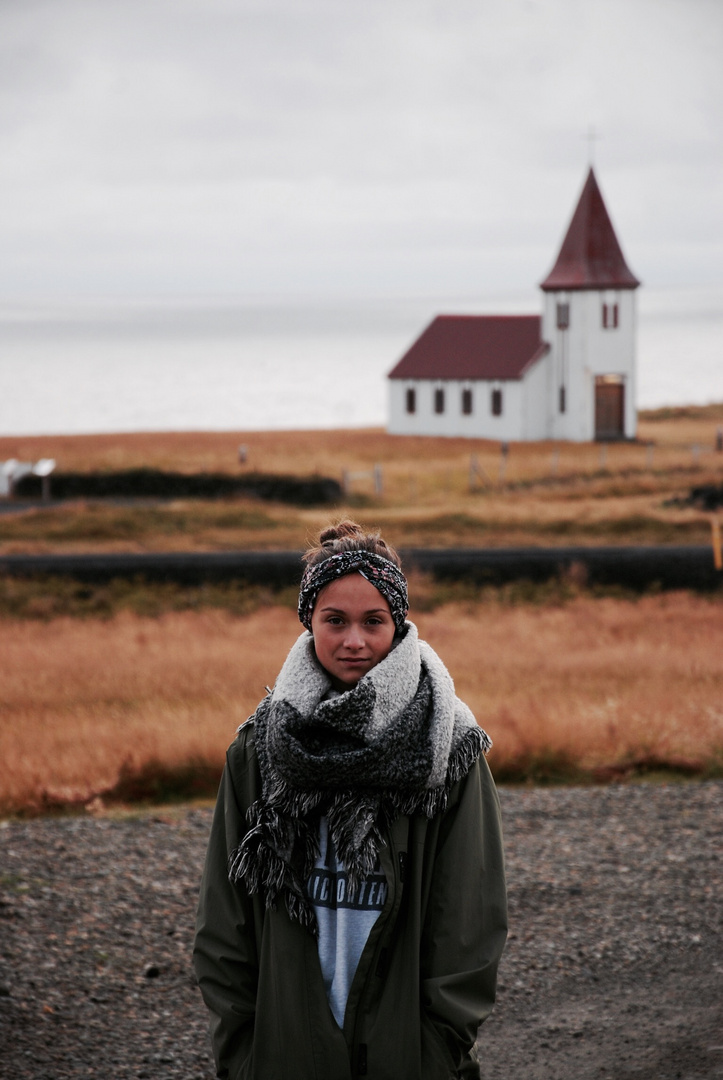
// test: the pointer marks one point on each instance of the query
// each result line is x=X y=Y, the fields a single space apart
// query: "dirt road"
x=614 y=967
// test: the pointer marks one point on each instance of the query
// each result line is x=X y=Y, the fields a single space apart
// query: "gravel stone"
x=613 y=970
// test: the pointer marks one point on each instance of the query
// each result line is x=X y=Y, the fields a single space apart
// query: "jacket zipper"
x=377 y=970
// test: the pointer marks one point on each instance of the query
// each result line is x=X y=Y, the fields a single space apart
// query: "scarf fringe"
x=356 y=825
x=257 y=863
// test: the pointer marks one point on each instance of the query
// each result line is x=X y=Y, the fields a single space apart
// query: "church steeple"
x=590 y=256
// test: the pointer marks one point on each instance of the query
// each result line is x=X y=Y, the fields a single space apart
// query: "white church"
x=567 y=374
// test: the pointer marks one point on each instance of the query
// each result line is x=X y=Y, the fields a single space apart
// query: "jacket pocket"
x=437 y=1063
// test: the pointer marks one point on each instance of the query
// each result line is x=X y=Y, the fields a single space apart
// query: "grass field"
x=436 y=492
x=584 y=689
x=128 y=691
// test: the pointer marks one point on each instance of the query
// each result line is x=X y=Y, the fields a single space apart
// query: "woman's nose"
x=354 y=637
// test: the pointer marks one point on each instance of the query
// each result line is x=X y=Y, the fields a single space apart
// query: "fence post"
x=504 y=451
x=376 y=475
x=715 y=539
x=473 y=466
x=477 y=473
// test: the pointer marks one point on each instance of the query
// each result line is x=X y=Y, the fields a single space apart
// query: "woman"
x=352 y=910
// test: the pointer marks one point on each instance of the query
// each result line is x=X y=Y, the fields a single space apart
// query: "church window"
x=610 y=316
x=411 y=400
x=496 y=403
x=563 y=316
x=467 y=402
x=439 y=401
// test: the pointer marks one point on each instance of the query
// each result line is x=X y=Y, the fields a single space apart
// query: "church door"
x=609 y=407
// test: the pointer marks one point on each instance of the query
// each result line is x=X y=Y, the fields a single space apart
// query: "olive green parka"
x=426 y=978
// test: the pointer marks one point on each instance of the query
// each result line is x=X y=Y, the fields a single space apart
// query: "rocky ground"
x=614 y=967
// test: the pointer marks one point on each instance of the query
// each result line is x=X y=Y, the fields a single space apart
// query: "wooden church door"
x=609 y=407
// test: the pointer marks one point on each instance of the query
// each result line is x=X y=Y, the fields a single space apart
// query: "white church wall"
x=480 y=423
x=534 y=412
x=567 y=366
x=612 y=348
x=508 y=425
x=402 y=422
x=585 y=350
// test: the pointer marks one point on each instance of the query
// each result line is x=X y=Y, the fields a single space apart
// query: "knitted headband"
x=383 y=575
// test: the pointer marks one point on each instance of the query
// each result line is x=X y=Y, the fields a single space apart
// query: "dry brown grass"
x=82 y=698
x=593 y=683
x=672 y=431
x=550 y=493
x=493 y=521
x=599 y=683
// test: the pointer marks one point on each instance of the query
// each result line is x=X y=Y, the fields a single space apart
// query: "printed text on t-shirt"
x=327 y=889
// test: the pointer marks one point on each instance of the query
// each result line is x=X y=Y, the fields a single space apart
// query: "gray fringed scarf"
x=394 y=744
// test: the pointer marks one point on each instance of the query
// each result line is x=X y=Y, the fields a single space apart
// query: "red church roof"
x=474 y=347
x=590 y=256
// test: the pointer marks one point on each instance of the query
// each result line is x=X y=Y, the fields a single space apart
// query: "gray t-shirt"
x=344 y=920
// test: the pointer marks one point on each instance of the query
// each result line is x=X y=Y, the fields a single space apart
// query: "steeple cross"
x=592 y=136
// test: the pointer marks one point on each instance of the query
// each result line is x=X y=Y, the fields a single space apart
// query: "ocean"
x=181 y=364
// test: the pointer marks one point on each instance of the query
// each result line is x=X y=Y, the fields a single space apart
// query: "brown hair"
x=348 y=536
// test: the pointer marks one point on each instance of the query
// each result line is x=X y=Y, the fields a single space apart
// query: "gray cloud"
x=400 y=147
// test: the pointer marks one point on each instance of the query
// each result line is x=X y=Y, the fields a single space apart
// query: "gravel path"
x=614 y=967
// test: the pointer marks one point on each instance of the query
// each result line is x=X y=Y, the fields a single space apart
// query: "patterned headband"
x=383 y=575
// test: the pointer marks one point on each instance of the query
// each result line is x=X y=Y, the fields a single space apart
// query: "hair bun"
x=343 y=528
x=347 y=535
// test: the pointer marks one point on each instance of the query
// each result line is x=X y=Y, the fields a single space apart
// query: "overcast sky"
x=320 y=147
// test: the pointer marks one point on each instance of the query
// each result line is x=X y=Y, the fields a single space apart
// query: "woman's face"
x=353 y=629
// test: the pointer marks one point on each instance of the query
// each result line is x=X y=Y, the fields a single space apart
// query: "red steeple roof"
x=474 y=347
x=590 y=256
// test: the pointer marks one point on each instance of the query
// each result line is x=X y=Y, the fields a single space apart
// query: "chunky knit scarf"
x=394 y=744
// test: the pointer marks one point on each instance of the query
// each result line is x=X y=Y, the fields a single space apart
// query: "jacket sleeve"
x=225 y=954
x=465 y=925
